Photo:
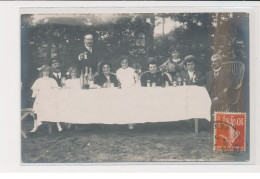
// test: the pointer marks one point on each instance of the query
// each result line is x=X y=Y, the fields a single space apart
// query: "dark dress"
x=101 y=80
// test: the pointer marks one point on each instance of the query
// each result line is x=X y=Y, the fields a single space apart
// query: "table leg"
x=50 y=128
x=24 y=116
x=23 y=134
x=196 y=125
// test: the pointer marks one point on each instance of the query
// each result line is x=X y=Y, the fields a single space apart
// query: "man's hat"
x=54 y=60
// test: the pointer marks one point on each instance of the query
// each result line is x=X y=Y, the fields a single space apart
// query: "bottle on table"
x=184 y=82
x=194 y=79
x=163 y=80
x=174 y=83
x=148 y=83
x=90 y=79
x=153 y=84
x=119 y=85
x=166 y=84
x=82 y=81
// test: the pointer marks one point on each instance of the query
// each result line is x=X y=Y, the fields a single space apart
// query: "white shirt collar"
x=56 y=74
x=89 y=48
x=176 y=60
x=191 y=74
x=217 y=70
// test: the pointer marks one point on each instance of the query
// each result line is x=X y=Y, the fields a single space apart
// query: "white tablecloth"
x=118 y=106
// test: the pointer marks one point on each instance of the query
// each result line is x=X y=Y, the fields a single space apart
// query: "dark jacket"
x=101 y=80
x=216 y=85
x=189 y=81
x=63 y=75
x=90 y=62
x=158 y=78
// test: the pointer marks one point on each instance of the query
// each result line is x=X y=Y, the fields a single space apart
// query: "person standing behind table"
x=153 y=76
x=191 y=75
x=218 y=84
x=85 y=55
x=126 y=75
x=56 y=72
x=105 y=78
x=43 y=84
x=174 y=64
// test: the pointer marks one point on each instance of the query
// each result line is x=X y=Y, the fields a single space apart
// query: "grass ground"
x=149 y=142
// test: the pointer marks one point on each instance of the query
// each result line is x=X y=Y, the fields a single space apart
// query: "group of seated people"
x=173 y=72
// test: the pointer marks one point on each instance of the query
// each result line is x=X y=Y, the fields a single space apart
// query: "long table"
x=123 y=106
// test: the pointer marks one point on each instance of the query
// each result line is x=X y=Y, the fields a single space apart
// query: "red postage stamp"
x=230 y=131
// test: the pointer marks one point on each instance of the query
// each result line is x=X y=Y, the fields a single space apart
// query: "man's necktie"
x=216 y=74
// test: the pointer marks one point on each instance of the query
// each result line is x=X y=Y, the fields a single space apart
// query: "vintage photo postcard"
x=135 y=86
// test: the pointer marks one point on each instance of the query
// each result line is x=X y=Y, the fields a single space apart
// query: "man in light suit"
x=191 y=75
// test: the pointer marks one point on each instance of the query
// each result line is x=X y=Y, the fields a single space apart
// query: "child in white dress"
x=126 y=75
x=44 y=83
x=74 y=82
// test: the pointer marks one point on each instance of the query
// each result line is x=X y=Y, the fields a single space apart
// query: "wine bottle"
x=90 y=78
x=82 y=79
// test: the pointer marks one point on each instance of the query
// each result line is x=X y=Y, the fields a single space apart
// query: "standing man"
x=153 y=77
x=85 y=55
x=56 y=71
x=218 y=84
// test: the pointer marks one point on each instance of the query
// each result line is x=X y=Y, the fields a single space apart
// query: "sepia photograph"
x=135 y=87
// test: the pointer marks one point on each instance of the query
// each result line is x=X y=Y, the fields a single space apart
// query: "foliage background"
x=199 y=34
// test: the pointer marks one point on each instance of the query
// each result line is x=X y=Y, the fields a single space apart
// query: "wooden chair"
x=25 y=112
x=142 y=74
x=236 y=69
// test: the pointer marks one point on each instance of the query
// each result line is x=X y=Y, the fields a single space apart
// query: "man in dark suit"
x=85 y=55
x=218 y=84
x=191 y=75
x=153 y=77
x=56 y=71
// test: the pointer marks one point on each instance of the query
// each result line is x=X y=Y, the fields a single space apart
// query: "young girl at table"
x=126 y=75
x=43 y=83
x=74 y=82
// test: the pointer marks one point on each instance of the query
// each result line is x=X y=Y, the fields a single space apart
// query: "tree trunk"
x=48 y=56
x=149 y=39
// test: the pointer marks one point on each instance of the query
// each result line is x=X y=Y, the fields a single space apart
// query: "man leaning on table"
x=153 y=77
x=218 y=84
